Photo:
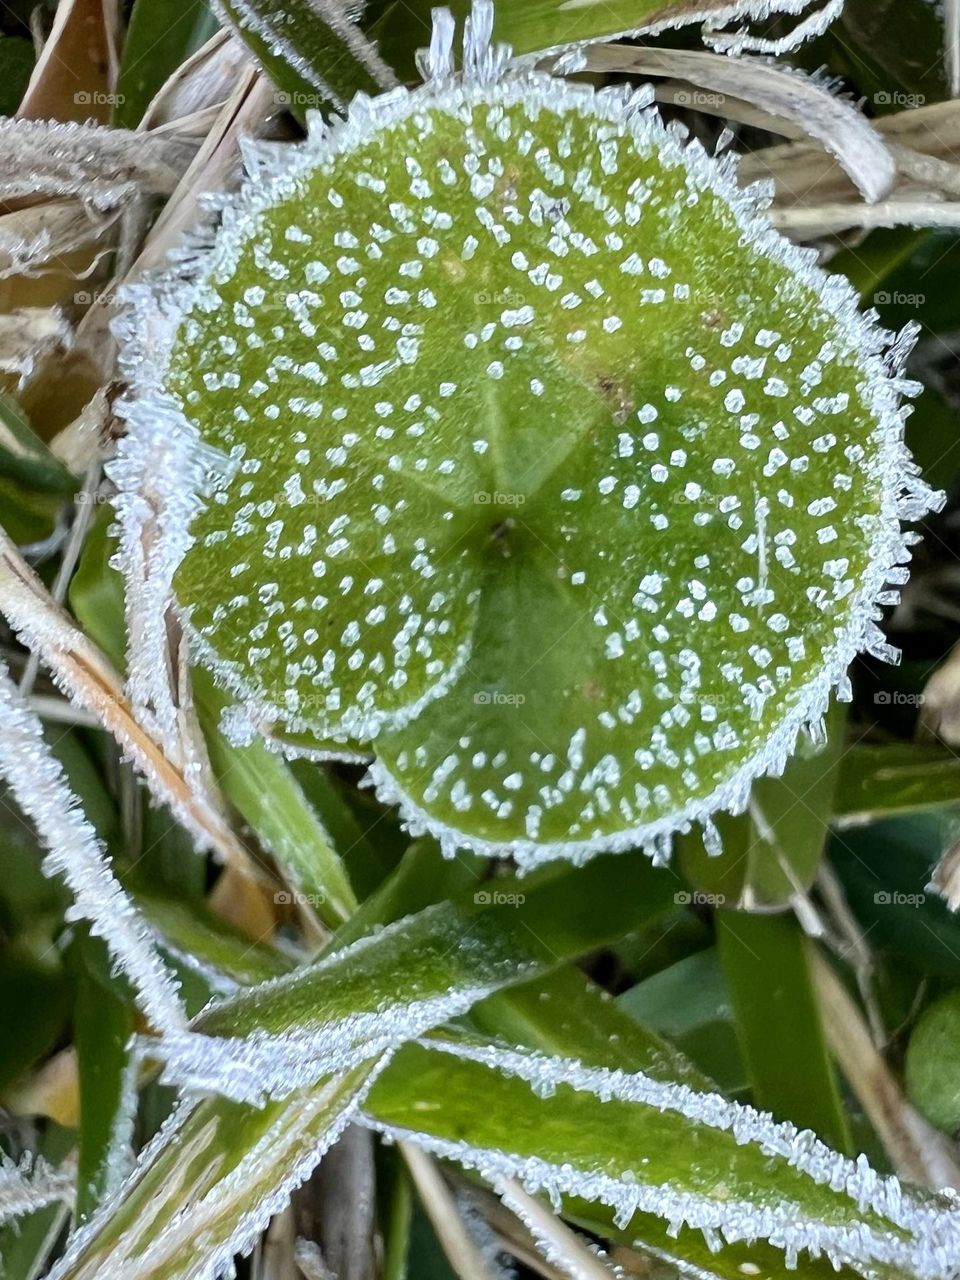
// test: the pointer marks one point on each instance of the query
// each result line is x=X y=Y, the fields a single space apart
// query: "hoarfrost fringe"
x=261 y=1066
x=39 y=786
x=31 y=1185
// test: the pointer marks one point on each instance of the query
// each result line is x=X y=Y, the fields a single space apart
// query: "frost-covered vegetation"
x=468 y=479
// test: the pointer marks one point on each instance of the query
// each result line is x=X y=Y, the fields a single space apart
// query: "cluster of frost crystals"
x=30 y=1185
x=872 y=1221
x=551 y=477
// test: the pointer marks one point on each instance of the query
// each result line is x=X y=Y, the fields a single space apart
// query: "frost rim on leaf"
x=148 y=331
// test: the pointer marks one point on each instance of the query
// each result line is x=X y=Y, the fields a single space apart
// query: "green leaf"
x=422 y=878
x=441 y=951
x=315 y=54
x=689 y=1004
x=357 y=1002
x=262 y=787
x=891 y=778
x=34 y=997
x=767 y=966
x=190 y=932
x=161 y=35
x=23 y=455
x=536 y=25
x=366 y=834
x=887 y=45
x=698 y=511
x=885 y=871
x=630 y=1155
x=96 y=591
x=933 y=1063
x=17 y=60
x=563 y=1013
x=103 y=1023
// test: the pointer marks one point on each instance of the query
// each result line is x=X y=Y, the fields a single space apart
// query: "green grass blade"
x=652 y=1154
x=23 y=455
x=766 y=962
x=210 y=1183
x=314 y=53
x=688 y=1003
x=102 y=1026
x=160 y=36
x=261 y=786
x=563 y=1013
x=529 y=26
x=884 y=780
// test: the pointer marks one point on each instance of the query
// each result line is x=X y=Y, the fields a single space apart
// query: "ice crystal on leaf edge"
x=164 y=469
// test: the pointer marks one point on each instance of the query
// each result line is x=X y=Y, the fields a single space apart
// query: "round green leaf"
x=549 y=473
x=932 y=1070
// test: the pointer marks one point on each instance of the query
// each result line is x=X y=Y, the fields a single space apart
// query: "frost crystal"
x=549 y=475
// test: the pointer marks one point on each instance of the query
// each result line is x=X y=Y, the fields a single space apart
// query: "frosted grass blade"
x=38 y=783
x=639 y=1145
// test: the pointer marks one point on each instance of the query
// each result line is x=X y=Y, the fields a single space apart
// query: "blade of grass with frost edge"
x=209 y=1184
x=38 y=783
x=286 y=1034
x=637 y=1144
x=525 y=1015
x=312 y=50
x=534 y=27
